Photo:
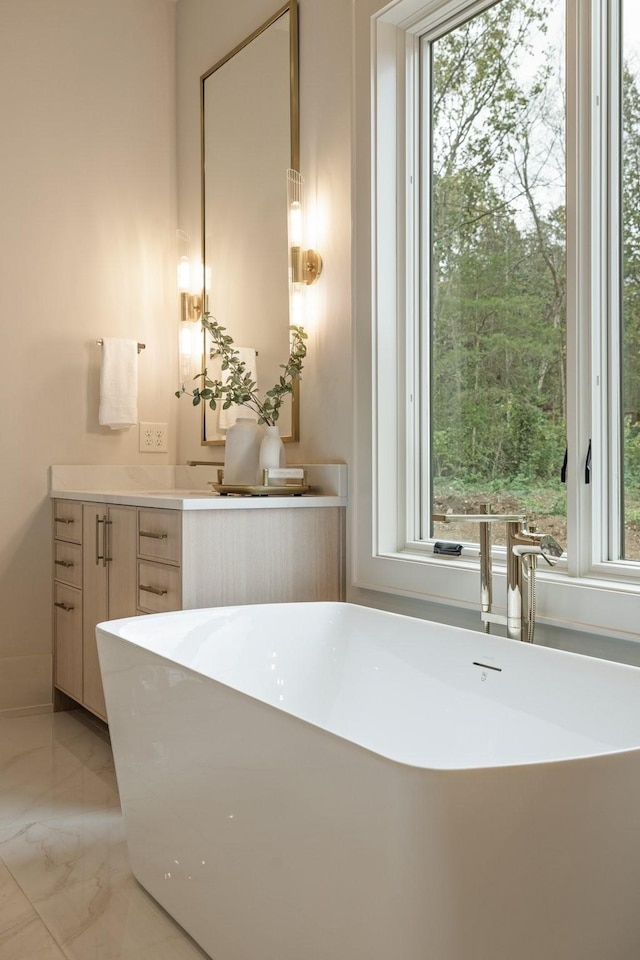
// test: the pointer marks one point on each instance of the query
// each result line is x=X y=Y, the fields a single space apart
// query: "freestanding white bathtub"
x=324 y=781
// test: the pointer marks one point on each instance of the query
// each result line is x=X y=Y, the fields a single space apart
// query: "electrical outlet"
x=153 y=437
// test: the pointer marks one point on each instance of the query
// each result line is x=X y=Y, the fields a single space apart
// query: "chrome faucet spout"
x=479 y=517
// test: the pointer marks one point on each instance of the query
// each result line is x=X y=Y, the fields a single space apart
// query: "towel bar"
x=141 y=346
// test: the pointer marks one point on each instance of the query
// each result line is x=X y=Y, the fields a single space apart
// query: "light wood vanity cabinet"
x=113 y=561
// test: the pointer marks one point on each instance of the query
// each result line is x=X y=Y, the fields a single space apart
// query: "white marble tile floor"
x=66 y=888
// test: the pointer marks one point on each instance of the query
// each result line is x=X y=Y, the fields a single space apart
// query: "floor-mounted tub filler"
x=331 y=782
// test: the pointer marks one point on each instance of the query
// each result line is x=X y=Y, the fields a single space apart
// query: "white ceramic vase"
x=271 y=451
x=242 y=452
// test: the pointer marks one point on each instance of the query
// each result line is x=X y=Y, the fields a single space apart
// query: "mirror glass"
x=249 y=140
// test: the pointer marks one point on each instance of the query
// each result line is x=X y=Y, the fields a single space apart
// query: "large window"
x=494 y=307
x=504 y=210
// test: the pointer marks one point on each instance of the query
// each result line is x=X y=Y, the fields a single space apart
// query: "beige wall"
x=88 y=186
x=205 y=33
x=87 y=250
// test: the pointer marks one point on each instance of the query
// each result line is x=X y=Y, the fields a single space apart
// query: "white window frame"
x=585 y=593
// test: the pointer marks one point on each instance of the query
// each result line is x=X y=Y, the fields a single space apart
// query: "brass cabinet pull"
x=105 y=540
x=65 y=563
x=154 y=536
x=99 y=556
x=63 y=520
x=157 y=590
x=64 y=606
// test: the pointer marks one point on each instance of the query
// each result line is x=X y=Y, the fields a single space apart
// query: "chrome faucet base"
x=521 y=543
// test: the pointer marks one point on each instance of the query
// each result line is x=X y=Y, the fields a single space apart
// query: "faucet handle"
x=550 y=549
x=536 y=544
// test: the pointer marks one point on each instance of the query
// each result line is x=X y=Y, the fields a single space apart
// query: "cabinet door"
x=121 y=561
x=109 y=582
x=95 y=600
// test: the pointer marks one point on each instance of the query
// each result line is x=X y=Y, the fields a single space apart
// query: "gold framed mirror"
x=249 y=137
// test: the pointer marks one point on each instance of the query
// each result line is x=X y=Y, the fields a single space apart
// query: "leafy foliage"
x=498 y=279
x=239 y=388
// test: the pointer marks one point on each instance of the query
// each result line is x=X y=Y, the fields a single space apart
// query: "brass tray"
x=260 y=490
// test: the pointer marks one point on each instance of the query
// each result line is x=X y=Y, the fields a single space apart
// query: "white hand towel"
x=227 y=418
x=119 y=383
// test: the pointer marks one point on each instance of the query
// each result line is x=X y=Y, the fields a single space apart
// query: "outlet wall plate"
x=153 y=437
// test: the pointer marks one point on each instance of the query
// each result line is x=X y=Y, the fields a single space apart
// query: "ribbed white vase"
x=271 y=451
x=242 y=452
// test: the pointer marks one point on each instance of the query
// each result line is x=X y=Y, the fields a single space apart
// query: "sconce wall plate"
x=313 y=266
x=190 y=307
x=306 y=265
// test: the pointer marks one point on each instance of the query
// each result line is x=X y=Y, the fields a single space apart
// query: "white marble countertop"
x=186 y=488
x=199 y=500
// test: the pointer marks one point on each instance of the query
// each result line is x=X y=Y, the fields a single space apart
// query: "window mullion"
x=584 y=385
x=597 y=520
x=424 y=274
x=612 y=506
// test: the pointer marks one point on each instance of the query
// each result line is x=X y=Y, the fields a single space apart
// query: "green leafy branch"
x=239 y=388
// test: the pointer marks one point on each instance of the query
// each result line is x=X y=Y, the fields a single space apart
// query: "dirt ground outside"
x=543 y=508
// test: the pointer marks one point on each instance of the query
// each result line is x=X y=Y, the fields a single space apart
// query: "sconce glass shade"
x=190 y=307
x=295 y=219
x=305 y=265
x=184 y=275
x=295 y=206
x=297 y=313
x=184 y=264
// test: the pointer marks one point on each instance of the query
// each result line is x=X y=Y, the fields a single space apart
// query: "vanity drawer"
x=158 y=587
x=68 y=639
x=159 y=535
x=67 y=562
x=67 y=520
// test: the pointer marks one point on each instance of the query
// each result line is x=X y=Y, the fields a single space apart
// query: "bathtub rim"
x=111 y=630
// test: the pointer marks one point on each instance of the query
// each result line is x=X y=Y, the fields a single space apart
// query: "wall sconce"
x=190 y=303
x=305 y=265
x=190 y=306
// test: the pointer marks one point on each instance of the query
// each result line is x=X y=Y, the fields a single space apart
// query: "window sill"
x=595 y=604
